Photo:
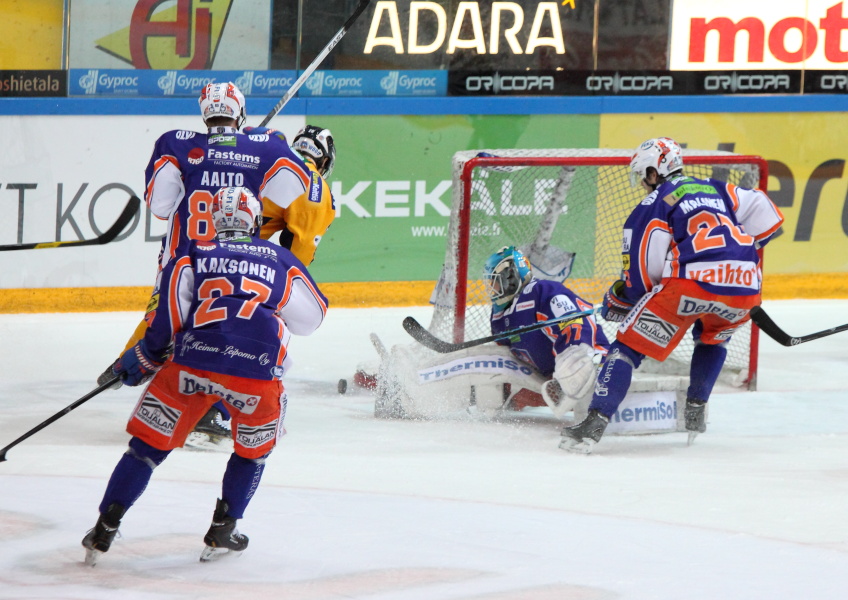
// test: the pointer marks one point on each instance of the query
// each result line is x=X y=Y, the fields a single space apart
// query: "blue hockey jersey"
x=187 y=168
x=541 y=300
x=700 y=229
x=231 y=307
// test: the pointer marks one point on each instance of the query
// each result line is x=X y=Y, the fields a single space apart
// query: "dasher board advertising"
x=174 y=35
x=758 y=34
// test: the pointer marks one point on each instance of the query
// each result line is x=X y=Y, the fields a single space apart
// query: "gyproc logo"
x=167 y=83
x=88 y=82
x=245 y=83
x=323 y=83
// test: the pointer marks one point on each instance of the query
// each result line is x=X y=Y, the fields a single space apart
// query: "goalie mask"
x=317 y=144
x=663 y=154
x=222 y=100
x=506 y=273
x=235 y=212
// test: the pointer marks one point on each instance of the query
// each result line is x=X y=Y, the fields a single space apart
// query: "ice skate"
x=695 y=418
x=583 y=436
x=211 y=433
x=222 y=538
x=99 y=539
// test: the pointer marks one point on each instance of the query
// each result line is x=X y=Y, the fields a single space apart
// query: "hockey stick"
x=425 y=338
x=770 y=328
x=110 y=234
x=314 y=64
x=59 y=415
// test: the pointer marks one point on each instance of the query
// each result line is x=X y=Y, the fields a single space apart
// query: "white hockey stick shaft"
x=315 y=63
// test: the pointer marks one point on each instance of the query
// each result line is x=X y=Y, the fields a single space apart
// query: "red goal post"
x=561 y=205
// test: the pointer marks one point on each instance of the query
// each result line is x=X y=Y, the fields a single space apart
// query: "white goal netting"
x=565 y=210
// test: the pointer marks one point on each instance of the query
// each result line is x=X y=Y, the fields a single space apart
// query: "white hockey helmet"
x=317 y=143
x=222 y=100
x=663 y=154
x=235 y=212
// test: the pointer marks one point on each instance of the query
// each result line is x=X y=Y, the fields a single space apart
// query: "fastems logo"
x=759 y=34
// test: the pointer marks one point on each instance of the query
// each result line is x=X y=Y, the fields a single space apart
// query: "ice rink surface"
x=356 y=507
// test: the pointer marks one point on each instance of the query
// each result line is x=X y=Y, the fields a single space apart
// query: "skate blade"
x=92 y=556
x=575 y=447
x=691 y=439
x=203 y=442
x=210 y=554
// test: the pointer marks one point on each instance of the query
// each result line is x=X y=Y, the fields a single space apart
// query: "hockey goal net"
x=565 y=210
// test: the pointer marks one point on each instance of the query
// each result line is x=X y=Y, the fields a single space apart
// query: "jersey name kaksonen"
x=232 y=267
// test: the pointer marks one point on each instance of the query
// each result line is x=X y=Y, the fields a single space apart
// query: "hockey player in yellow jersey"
x=305 y=220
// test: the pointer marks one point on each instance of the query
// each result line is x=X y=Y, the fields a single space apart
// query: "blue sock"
x=707 y=361
x=222 y=408
x=131 y=474
x=614 y=378
x=240 y=482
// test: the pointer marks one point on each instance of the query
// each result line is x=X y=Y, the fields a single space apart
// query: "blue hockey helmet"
x=506 y=273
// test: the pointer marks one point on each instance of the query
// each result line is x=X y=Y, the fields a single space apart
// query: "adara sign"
x=758 y=34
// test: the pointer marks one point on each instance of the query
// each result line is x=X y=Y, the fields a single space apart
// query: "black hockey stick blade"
x=59 y=415
x=425 y=338
x=770 y=328
x=316 y=62
x=107 y=236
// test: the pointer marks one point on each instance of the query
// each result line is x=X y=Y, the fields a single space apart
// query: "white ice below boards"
x=357 y=507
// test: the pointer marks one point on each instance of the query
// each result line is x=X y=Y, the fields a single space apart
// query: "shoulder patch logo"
x=185 y=135
x=195 y=156
x=315 y=188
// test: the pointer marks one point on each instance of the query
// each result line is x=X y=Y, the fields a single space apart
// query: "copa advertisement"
x=68 y=177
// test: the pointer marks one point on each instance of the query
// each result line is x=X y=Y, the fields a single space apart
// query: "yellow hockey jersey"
x=305 y=220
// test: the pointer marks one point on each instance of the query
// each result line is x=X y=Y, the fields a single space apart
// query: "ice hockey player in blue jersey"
x=690 y=259
x=220 y=333
x=564 y=352
x=187 y=167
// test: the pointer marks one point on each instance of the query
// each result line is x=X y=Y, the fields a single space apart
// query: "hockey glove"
x=136 y=366
x=575 y=372
x=615 y=308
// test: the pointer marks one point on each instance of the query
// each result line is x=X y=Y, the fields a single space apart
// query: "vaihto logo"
x=758 y=34
x=185 y=36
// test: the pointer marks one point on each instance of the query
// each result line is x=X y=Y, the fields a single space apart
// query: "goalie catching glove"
x=615 y=308
x=574 y=378
x=136 y=366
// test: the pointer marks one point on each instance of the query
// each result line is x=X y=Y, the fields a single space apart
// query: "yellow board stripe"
x=353 y=295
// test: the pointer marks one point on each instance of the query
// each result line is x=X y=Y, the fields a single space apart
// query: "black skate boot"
x=222 y=537
x=584 y=435
x=211 y=433
x=98 y=540
x=695 y=417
